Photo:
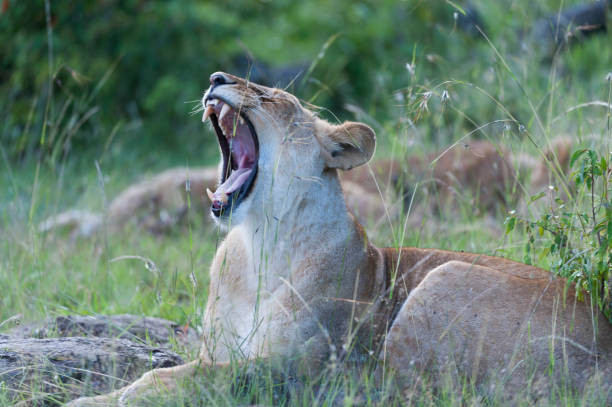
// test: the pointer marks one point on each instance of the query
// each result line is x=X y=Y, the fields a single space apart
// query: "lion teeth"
x=210 y=194
x=240 y=120
x=220 y=196
x=224 y=111
x=209 y=110
x=212 y=102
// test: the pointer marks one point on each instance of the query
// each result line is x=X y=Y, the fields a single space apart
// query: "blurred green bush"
x=144 y=63
x=138 y=67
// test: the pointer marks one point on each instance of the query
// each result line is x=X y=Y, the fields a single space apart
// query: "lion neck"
x=313 y=223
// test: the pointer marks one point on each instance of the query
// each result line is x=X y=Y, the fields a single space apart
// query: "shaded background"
x=129 y=72
x=115 y=83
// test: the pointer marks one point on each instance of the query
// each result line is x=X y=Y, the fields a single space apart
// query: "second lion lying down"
x=297 y=279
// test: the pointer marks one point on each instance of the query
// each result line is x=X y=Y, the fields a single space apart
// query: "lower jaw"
x=226 y=210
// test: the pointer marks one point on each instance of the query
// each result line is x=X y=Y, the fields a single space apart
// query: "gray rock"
x=144 y=330
x=69 y=356
x=58 y=369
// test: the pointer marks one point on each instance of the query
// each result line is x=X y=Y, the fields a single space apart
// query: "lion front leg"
x=152 y=383
x=110 y=399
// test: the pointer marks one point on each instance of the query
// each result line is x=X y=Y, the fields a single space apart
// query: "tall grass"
x=567 y=232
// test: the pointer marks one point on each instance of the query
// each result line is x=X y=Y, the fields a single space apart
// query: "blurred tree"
x=141 y=65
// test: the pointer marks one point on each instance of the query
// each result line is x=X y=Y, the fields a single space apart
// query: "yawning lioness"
x=296 y=277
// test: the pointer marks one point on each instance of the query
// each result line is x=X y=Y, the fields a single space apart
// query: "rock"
x=58 y=369
x=138 y=329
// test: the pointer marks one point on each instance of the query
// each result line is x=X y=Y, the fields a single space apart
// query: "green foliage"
x=577 y=232
x=138 y=62
x=113 y=81
x=142 y=65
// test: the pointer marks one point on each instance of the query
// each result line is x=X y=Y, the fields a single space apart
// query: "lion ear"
x=348 y=145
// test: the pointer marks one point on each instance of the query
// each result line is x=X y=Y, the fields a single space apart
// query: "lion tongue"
x=236 y=179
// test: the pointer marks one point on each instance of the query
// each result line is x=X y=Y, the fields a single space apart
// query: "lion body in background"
x=476 y=174
x=157 y=204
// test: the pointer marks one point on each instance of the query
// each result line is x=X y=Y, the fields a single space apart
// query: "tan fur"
x=365 y=205
x=476 y=173
x=557 y=155
x=473 y=170
x=473 y=174
x=296 y=279
x=157 y=203
x=165 y=195
x=77 y=223
x=382 y=174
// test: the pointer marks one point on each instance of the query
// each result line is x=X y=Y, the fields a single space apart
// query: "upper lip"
x=208 y=108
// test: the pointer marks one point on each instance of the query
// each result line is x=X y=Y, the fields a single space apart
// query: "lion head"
x=270 y=144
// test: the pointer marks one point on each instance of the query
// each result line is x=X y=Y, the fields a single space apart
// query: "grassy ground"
x=48 y=275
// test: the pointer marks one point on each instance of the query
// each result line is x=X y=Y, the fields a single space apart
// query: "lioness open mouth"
x=240 y=153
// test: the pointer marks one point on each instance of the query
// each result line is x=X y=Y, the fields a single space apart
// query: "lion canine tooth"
x=224 y=111
x=222 y=196
x=209 y=110
x=212 y=102
x=211 y=196
x=240 y=120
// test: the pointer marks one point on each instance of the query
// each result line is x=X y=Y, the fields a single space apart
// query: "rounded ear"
x=349 y=145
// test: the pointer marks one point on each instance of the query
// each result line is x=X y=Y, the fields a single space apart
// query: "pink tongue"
x=235 y=180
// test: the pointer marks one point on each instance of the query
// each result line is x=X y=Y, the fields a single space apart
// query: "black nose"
x=217 y=79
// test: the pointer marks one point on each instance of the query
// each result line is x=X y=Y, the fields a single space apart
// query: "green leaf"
x=510 y=223
x=577 y=155
x=609 y=220
x=537 y=196
x=456 y=6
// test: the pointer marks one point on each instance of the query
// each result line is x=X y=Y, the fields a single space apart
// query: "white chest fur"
x=260 y=271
